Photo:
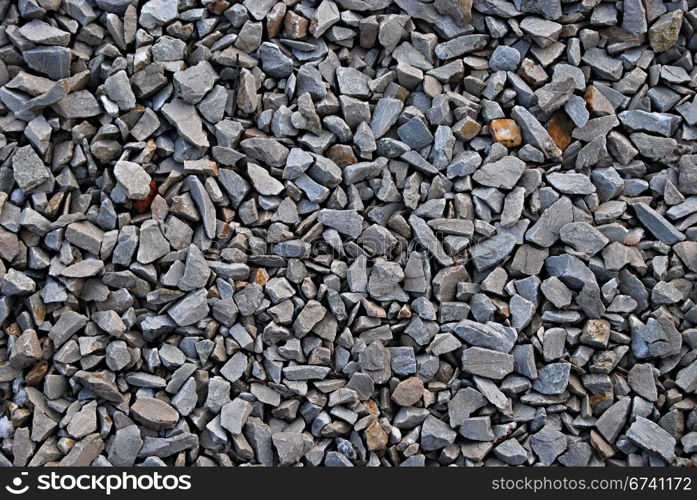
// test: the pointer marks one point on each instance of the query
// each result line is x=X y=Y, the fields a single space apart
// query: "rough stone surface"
x=399 y=233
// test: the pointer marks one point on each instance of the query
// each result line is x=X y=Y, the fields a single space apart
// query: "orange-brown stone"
x=262 y=277
x=598 y=104
x=533 y=74
x=36 y=374
x=142 y=206
x=506 y=131
x=296 y=25
x=218 y=7
x=559 y=128
x=274 y=19
x=372 y=407
x=342 y=155
x=376 y=437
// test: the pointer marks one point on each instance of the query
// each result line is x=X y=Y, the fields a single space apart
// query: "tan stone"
x=432 y=87
x=37 y=373
x=296 y=25
x=342 y=155
x=372 y=407
x=154 y=413
x=460 y=10
x=262 y=277
x=533 y=74
x=665 y=31
x=404 y=312
x=274 y=19
x=506 y=131
x=635 y=236
x=376 y=437
x=596 y=333
x=467 y=128
x=601 y=446
x=408 y=392
x=401 y=93
x=598 y=104
x=218 y=7
x=9 y=245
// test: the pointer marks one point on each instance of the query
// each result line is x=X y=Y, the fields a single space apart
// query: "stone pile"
x=348 y=232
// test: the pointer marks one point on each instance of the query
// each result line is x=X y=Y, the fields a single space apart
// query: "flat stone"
x=152 y=244
x=502 y=174
x=192 y=84
x=28 y=169
x=545 y=231
x=190 y=309
x=486 y=363
x=552 y=378
x=154 y=413
x=42 y=33
x=266 y=150
x=262 y=180
x=408 y=392
x=436 y=434
x=119 y=89
x=492 y=251
x=385 y=115
x=99 y=384
x=651 y=437
x=460 y=46
x=548 y=444
x=133 y=178
x=583 y=237
x=184 y=117
x=657 y=224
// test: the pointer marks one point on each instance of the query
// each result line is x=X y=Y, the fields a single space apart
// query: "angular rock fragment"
x=134 y=180
x=486 y=363
x=187 y=121
x=652 y=438
x=28 y=169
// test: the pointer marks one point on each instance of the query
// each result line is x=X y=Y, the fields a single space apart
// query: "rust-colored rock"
x=533 y=74
x=37 y=373
x=372 y=407
x=142 y=206
x=376 y=437
x=218 y=7
x=559 y=128
x=598 y=104
x=506 y=131
x=342 y=155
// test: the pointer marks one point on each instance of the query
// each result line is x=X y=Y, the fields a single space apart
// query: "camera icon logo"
x=16 y=488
